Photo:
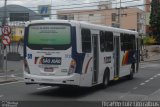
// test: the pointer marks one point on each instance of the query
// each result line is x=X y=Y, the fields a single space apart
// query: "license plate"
x=48 y=60
x=51 y=60
x=48 y=69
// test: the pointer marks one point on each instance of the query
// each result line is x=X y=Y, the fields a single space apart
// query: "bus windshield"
x=49 y=35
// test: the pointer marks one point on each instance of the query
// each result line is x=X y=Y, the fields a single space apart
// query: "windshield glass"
x=49 y=36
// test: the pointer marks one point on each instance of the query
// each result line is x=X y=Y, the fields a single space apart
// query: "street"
x=144 y=87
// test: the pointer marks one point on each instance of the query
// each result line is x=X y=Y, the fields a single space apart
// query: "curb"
x=150 y=60
x=8 y=81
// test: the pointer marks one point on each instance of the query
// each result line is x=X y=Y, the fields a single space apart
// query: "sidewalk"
x=14 y=72
x=8 y=78
x=153 y=54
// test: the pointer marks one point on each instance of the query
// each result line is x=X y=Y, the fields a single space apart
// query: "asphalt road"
x=145 y=86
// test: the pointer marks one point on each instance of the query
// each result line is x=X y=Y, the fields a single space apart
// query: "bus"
x=64 y=52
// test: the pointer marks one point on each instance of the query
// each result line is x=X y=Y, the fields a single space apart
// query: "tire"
x=132 y=71
x=105 y=79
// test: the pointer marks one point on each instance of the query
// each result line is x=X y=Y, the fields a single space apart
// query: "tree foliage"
x=149 y=40
x=155 y=19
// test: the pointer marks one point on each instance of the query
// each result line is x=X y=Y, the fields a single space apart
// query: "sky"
x=59 y=4
x=56 y=3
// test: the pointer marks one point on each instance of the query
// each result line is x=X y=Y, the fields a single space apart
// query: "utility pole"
x=5 y=13
x=3 y=23
x=119 y=15
x=51 y=10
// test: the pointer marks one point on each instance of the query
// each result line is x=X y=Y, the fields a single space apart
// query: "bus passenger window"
x=102 y=41
x=127 y=42
x=122 y=42
x=108 y=41
x=86 y=40
x=133 y=41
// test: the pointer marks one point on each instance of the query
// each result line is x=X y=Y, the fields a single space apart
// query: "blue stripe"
x=79 y=57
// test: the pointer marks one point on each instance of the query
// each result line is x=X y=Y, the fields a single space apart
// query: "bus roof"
x=86 y=24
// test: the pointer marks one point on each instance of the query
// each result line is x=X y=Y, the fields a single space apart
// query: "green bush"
x=149 y=40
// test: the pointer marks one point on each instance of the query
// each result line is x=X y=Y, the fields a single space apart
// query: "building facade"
x=18 y=13
x=130 y=18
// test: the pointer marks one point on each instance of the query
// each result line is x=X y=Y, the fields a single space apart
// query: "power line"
x=84 y=4
x=128 y=14
x=79 y=12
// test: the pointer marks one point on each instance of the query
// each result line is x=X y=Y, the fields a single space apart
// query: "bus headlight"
x=72 y=67
x=26 y=67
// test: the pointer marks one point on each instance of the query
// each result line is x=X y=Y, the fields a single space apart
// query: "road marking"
x=15 y=74
x=124 y=95
x=121 y=97
x=147 y=80
x=142 y=84
x=11 y=75
x=135 y=88
x=1 y=96
x=156 y=76
x=2 y=76
x=154 y=92
x=151 y=66
x=151 y=78
x=143 y=66
x=43 y=87
x=11 y=83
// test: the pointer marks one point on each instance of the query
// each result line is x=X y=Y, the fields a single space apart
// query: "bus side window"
x=122 y=42
x=102 y=41
x=86 y=40
x=108 y=41
x=133 y=42
x=127 y=42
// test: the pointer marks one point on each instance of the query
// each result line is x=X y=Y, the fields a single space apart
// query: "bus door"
x=116 y=56
x=95 y=48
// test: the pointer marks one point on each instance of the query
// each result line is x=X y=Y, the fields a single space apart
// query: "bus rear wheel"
x=105 y=79
x=132 y=71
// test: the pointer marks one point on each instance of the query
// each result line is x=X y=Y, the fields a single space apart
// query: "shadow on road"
x=77 y=92
x=68 y=92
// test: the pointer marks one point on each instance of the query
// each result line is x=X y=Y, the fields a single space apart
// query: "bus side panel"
x=124 y=69
x=127 y=58
x=106 y=60
x=87 y=71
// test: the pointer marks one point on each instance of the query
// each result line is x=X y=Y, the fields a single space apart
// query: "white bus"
x=59 y=52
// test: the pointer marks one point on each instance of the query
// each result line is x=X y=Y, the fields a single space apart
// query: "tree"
x=155 y=19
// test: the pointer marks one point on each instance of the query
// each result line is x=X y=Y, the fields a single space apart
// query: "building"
x=131 y=18
x=18 y=13
x=105 y=4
